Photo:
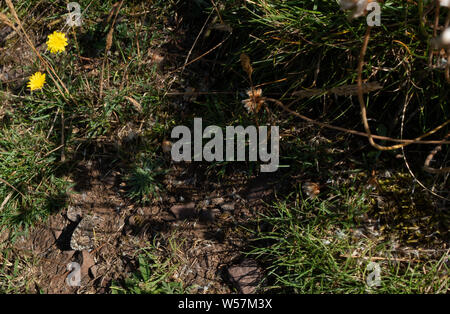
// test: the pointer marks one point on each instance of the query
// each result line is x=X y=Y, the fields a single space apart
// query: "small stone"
x=109 y=180
x=206 y=216
x=136 y=220
x=217 y=200
x=183 y=211
x=166 y=146
x=209 y=215
x=93 y=271
x=88 y=262
x=227 y=206
x=246 y=276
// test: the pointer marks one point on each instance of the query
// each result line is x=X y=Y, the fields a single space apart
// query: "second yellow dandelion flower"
x=56 y=42
x=37 y=81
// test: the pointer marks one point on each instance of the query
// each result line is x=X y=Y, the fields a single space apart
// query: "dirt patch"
x=209 y=237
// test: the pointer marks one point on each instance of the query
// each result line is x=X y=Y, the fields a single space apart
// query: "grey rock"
x=227 y=206
x=183 y=211
x=246 y=276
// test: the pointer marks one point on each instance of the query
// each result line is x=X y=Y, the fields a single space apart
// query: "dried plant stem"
x=421 y=16
x=380 y=258
x=202 y=55
x=195 y=43
x=11 y=186
x=430 y=157
x=436 y=18
x=217 y=11
x=364 y=110
x=405 y=105
x=354 y=132
x=447 y=68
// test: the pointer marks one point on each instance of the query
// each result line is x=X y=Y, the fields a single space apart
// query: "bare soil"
x=205 y=217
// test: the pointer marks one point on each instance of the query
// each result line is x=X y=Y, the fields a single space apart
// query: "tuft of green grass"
x=15 y=272
x=143 y=181
x=310 y=247
x=30 y=190
x=154 y=275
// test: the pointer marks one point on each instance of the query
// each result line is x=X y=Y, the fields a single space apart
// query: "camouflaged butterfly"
x=83 y=235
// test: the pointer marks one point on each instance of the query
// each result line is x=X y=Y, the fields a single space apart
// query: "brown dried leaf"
x=246 y=64
x=135 y=104
x=222 y=27
x=347 y=90
x=109 y=39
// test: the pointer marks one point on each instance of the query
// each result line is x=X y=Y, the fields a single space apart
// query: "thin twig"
x=430 y=157
x=379 y=258
x=217 y=11
x=405 y=105
x=329 y=126
x=195 y=43
x=364 y=110
x=12 y=187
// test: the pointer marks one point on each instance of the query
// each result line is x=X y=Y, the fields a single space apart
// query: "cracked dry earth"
x=102 y=230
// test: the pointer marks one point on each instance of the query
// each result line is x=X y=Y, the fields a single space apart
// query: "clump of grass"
x=144 y=180
x=309 y=248
x=153 y=276
x=42 y=133
x=30 y=191
x=16 y=275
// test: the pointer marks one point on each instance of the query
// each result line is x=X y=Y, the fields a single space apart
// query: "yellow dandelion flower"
x=56 y=42
x=37 y=81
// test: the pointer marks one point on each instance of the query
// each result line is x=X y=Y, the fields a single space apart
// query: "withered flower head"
x=255 y=100
x=444 y=3
x=358 y=7
x=443 y=41
x=311 y=189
